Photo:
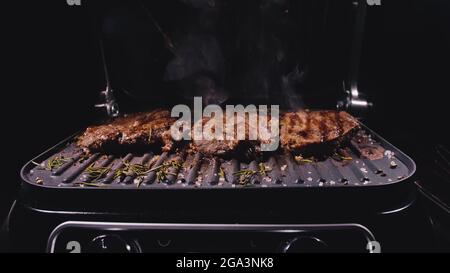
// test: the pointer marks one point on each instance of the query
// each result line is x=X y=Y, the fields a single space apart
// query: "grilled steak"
x=222 y=146
x=299 y=131
x=240 y=143
x=305 y=129
x=137 y=130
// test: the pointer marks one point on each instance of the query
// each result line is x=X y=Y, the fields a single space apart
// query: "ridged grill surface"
x=197 y=171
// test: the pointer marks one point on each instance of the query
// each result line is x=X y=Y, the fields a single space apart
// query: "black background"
x=53 y=75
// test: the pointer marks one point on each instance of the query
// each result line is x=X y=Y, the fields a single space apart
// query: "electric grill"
x=298 y=207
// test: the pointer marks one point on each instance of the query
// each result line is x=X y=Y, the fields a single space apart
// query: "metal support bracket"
x=355 y=102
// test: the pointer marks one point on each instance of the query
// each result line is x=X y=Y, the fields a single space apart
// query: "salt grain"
x=389 y=154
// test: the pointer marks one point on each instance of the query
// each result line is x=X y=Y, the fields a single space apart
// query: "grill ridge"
x=196 y=170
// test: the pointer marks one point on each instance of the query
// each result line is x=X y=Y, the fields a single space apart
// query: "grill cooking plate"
x=197 y=172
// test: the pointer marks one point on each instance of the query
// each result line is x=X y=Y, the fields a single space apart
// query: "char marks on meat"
x=298 y=131
x=303 y=129
x=134 y=130
x=209 y=145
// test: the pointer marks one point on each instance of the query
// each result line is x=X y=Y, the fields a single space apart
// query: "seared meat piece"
x=305 y=129
x=149 y=128
x=132 y=130
x=214 y=146
x=211 y=146
x=299 y=130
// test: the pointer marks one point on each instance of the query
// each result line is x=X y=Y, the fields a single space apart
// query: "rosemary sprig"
x=137 y=169
x=339 y=157
x=160 y=175
x=131 y=169
x=221 y=173
x=96 y=173
x=140 y=170
x=301 y=160
x=172 y=163
x=245 y=176
x=263 y=169
x=162 y=171
x=56 y=162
